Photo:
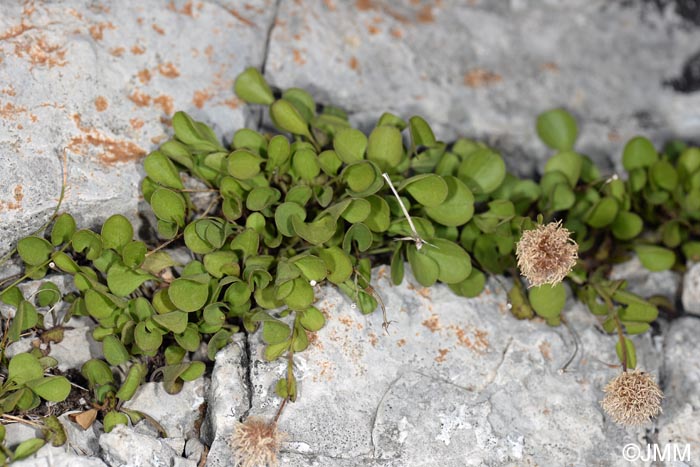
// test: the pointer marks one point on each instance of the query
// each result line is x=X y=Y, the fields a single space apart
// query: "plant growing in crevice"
x=266 y=220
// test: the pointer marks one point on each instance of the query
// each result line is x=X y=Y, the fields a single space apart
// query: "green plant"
x=271 y=217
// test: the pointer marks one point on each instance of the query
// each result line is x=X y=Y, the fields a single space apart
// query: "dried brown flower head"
x=546 y=254
x=256 y=442
x=632 y=398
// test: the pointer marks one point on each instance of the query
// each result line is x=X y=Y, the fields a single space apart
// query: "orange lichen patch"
x=298 y=58
x=159 y=139
x=17 y=196
x=353 y=63
x=140 y=98
x=185 y=10
x=614 y=137
x=232 y=103
x=168 y=70
x=209 y=53
x=15 y=31
x=144 y=76
x=479 y=77
x=425 y=15
x=396 y=33
x=117 y=51
x=329 y=4
x=165 y=102
x=478 y=342
x=9 y=91
x=401 y=342
x=9 y=111
x=136 y=123
x=137 y=50
x=240 y=17
x=113 y=150
x=432 y=323
x=373 y=339
x=39 y=52
x=546 y=350
x=372 y=29
x=97 y=30
x=326 y=372
x=346 y=321
x=549 y=66
x=200 y=98
x=101 y=104
x=443 y=355
x=364 y=5
x=158 y=29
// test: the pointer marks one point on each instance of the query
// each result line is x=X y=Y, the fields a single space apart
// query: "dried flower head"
x=632 y=398
x=546 y=254
x=256 y=442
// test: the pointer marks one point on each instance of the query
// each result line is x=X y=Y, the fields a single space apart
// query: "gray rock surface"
x=456 y=382
x=691 y=289
x=646 y=283
x=177 y=413
x=483 y=68
x=94 y=85
x=123 y=446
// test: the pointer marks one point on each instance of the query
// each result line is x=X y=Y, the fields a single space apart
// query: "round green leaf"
x=161 y=170
x=305 y=164
x=114 y=351
x=357 y=210
x=27 y=447
x=472 y=286
x=627 y=225
x=338 y=264
x=252 y=87
x=283 y=217
x=655 y=258
x=458 y=206
x=316 y=232
x=278 y=151
x=385 y=147
x=301 y=296
x=63 y=229
x=360 y=234
x=287 y=118
x=114 y=418
x=638 y=152
x=243 y=164
x=360 y=176
x=454 y=264
x=275 y=332
x=567 y=162
x=98 y=305
x=117 y=232
x=122 y=280
x=188 y=295
x=603 y=213
x=428 y=189
x=350 y=145
x=261 y=197
x=146 y=340
x=24 y=367
x=548 y=300
x=379 y=218
x=302 y=101
x=329 y=162
x=174 y=321
x=557 y=129
x=168 y=206
x=482 y=171
x=421 y=133
x=311 y=319
x=34 y=251
x=664 y=175
x=424 y=268
x=50 y=388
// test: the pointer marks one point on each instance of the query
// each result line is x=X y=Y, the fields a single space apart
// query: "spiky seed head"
x=632 y=398
x=546 y=254
x=256 y=443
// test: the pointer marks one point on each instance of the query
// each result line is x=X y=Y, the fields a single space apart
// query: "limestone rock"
x=487 y=69
x=691 y=289
x=176 y=413
x=93 y=86
x=125 y=447
x=457 y=381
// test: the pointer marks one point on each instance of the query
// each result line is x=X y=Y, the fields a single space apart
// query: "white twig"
x=415 y=237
